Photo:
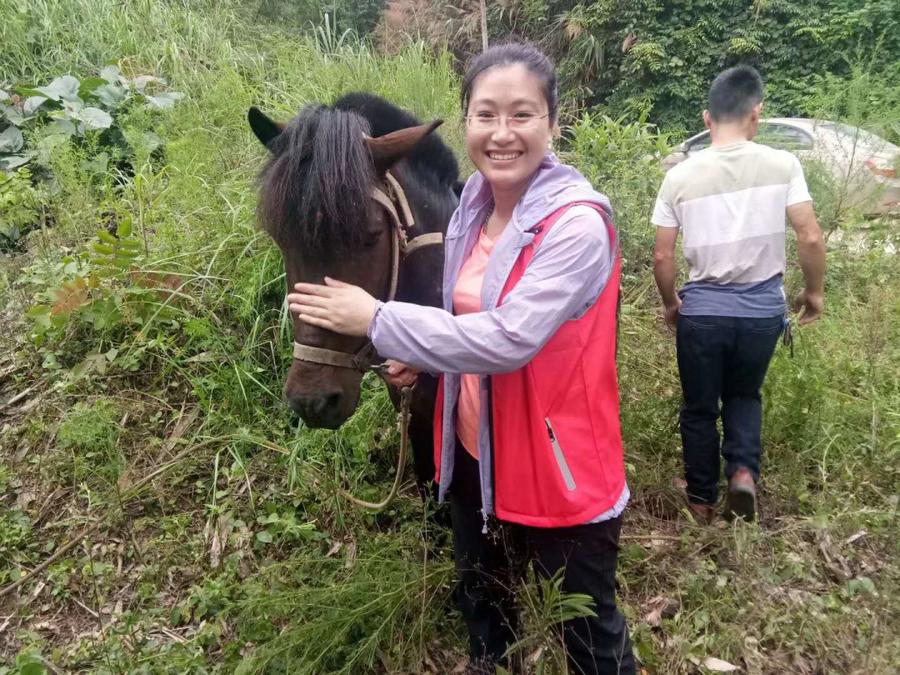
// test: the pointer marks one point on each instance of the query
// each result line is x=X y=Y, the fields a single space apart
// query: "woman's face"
x=508 y=127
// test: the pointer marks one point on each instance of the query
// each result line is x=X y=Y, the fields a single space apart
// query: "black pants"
x=722 y=359
x=490 y=567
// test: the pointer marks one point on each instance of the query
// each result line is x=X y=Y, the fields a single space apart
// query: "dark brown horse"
x=333 y=196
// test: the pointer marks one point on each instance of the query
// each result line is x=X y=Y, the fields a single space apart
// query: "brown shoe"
x=741 y=502
x=704 y=514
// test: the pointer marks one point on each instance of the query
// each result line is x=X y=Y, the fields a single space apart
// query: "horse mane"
x=430 y=158
x=315 y=188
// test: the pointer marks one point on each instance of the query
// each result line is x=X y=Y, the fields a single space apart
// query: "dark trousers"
x=491 y=566
x=722 y=359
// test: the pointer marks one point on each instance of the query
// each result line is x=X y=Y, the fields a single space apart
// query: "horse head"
x=332 y=198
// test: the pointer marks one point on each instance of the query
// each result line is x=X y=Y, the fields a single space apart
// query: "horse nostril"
x=318 y=411
x=332 y=401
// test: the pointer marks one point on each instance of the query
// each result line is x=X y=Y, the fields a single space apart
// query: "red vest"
x=557 y=443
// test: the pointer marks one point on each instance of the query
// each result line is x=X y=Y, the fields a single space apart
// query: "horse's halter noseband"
x=395 y=203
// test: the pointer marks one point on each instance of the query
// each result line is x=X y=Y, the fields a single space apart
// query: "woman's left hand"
x=342 y=308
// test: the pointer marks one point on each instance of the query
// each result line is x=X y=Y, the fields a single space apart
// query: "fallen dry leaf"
x=718 y=665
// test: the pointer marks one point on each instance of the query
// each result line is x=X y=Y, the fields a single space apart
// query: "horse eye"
x=371 y=239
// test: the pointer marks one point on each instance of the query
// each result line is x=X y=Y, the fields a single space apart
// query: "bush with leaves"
x=21 y=206
x=100 y=294
x=622 y=160
x=74 y=108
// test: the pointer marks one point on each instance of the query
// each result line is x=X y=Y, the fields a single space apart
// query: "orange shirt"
x=466 y=300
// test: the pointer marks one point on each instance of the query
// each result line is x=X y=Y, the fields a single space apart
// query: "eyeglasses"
x=520 y=121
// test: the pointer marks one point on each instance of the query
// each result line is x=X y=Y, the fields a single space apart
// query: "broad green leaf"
x=12 y=114
x=32 y=669
x=105 y=236
x=40 y=314
x=89 y=84
x=11 y=140
x=110 y=95
x=64 y=127
x=94 y=118
x=63 y=88
x=264 y=536
x=4 y=95
x=32 y=103
x=70 y=109
x=165 y=100
x=25 y=92
x=9 y=162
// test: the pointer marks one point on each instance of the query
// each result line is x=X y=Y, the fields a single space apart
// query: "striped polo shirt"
x=729 y=203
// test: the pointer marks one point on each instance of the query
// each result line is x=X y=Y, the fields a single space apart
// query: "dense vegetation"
x=654 y=59
x=192 y=527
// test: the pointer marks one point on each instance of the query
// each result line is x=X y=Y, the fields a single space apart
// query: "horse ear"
x=389 y=149
x=266 y=129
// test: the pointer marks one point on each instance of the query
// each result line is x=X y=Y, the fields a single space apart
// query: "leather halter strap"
x=395 y=203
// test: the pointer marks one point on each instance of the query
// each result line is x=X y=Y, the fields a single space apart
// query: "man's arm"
x=665 y=272
x=810 y=302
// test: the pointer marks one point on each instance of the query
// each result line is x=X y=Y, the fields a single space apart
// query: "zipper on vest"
x=560 y=457
x=490 y=402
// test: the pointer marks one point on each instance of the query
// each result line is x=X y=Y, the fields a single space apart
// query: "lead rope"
x=403 y=417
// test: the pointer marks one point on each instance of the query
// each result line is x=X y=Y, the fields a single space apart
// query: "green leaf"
x=64 y=127
x=103 y=235
x=165 y=100
x=89 y=84
x=63 y=88
x=4 y=95
x=94 y=118
x=103 y=249
x=12 y=114
x=264 y=536
x=32 y=669
x=11 y=140
x=110 y=95
x=10 y=162
x=32 y=103
x=124 y=229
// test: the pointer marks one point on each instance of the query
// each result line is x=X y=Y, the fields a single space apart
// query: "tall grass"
x=211 y=552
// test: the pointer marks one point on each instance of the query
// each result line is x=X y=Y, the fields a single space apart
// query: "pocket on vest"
x=560 y=457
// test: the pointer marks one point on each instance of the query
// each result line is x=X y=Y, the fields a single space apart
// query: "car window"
x=783 y=137
x=851 y=136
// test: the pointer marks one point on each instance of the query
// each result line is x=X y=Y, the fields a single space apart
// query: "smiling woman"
x=528 y=442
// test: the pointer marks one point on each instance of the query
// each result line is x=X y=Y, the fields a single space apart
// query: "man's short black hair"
x=734 y=92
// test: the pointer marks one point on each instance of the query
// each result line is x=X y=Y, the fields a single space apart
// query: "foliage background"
x=141 y=405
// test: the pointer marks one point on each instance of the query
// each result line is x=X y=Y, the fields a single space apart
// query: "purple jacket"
x=564 y=279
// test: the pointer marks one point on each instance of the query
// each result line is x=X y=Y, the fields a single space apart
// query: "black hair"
x=509 y=54
x=734 y=92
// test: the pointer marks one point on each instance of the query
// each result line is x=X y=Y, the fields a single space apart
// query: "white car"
x=862 y=165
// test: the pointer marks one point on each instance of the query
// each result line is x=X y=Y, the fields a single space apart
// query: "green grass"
x=222 y=543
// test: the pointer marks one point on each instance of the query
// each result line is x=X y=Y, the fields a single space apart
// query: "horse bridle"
x=394 y=201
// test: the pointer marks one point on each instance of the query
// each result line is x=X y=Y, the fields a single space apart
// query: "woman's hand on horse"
x=399 y=374
x=336 y=306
